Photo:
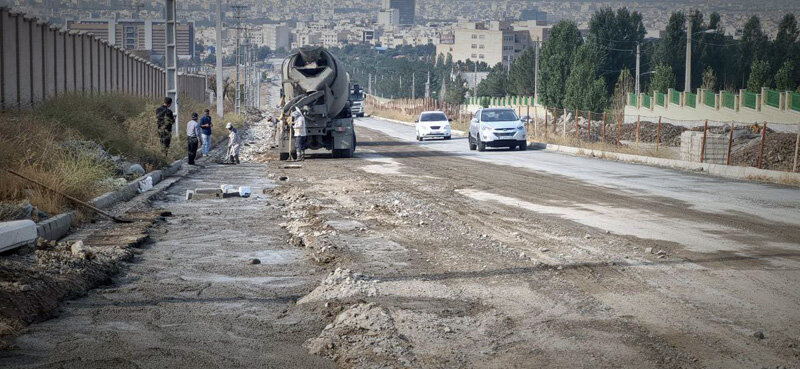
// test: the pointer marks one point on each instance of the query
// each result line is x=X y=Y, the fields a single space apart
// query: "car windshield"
x=499 y=115
x=432 y=117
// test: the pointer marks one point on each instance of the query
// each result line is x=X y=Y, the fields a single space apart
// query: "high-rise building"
x=407 y=9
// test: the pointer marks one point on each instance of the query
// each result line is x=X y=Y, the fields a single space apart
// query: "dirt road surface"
x=428 y=255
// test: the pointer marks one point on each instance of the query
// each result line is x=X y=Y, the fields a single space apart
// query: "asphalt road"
x=714 y=214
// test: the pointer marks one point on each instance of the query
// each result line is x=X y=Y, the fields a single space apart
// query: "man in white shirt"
x=300 y=132
x=193 y=133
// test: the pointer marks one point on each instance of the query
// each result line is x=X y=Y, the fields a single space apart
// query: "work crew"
x=205 y=125
x=165 y=119
x=233 y=143
x=193 y=133
x=301 y=133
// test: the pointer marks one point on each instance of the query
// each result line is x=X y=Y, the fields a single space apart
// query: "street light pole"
x=218 y=51
x=687 y=87
x=638 y=69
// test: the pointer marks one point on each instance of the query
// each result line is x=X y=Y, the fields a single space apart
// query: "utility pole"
x=238 y=9
x=171 y=61
x=638 y=70
x=218 y=51
x=428 y=86
x=536 y=71
x=413 y=86
x=687 y=87
x=475 y=81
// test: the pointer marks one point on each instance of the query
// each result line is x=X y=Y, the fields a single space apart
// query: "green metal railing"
x=795 y=97
x=691 y=100
x=646 y=101
x=633 y=99
x=772 y=98
x=749 y=99
x=709 y=98
x=661 y=100
x=674 y=97
x=728 y=100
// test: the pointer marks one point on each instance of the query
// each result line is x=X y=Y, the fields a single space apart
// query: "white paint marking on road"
x=642 y=224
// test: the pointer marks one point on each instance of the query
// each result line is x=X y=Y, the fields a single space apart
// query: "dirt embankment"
x=35 y=279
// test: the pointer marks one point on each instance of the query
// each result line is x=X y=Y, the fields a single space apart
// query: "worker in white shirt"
x=233 y=143
x=300 y=132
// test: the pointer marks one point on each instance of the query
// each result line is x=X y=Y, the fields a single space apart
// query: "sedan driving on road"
x=432 y=124
x=497 y=127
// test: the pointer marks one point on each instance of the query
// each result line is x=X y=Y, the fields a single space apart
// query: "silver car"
x=497 y=127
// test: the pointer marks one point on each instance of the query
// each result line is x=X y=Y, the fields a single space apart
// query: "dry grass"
x=31 y=142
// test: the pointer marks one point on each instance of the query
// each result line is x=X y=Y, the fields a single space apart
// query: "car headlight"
x=521 y=128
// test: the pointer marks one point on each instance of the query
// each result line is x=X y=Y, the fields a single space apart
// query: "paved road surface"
x=707 y=214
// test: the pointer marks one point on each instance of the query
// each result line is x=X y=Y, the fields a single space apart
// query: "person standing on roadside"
x=233 y=143
x=205 y=126
x=193 y=133
x=301 y=133
x=164 y=120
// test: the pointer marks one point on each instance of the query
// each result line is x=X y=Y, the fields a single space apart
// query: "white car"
x=497 y=127
x=432 y=124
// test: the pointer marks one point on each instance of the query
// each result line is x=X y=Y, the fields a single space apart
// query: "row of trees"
x=397 y=72
x=591 y=72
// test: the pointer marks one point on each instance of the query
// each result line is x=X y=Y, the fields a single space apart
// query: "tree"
x=617 y=34
x=759 y=76
x=709 y=79
x=586 y=89
x=671 y=50
x=783 y=78
x=663 y=78
x=495 y=84
x=786 y=45
x=556 y=60
x=456 y=89
x=753 y=46
x=521 y=76
x=622 y=88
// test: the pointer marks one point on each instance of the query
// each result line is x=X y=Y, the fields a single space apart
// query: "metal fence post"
x=703 y=146
x=658 y=132
x=730 y=144
x=761 y=151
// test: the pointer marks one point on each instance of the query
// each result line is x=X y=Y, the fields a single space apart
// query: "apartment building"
x=143 y=36
x=274 y=36
x=490 y=42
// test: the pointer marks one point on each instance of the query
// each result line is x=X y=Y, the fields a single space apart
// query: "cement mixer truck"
x=315 y=82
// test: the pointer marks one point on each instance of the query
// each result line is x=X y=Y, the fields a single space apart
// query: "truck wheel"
x=481 y=145
x=523 y=146
x=284 y=156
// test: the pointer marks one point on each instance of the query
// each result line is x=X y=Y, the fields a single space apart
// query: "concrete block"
x=56 y=227
x=17 y=233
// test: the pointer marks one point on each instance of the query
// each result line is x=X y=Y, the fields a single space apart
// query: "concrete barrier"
x=17 y=233
x=57 y=226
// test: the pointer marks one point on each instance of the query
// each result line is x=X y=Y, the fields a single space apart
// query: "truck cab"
x=356 y=101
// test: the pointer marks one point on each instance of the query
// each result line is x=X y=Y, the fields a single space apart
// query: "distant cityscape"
x=482 y=30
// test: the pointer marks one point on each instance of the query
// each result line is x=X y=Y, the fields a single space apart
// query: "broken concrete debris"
x=223 y=191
